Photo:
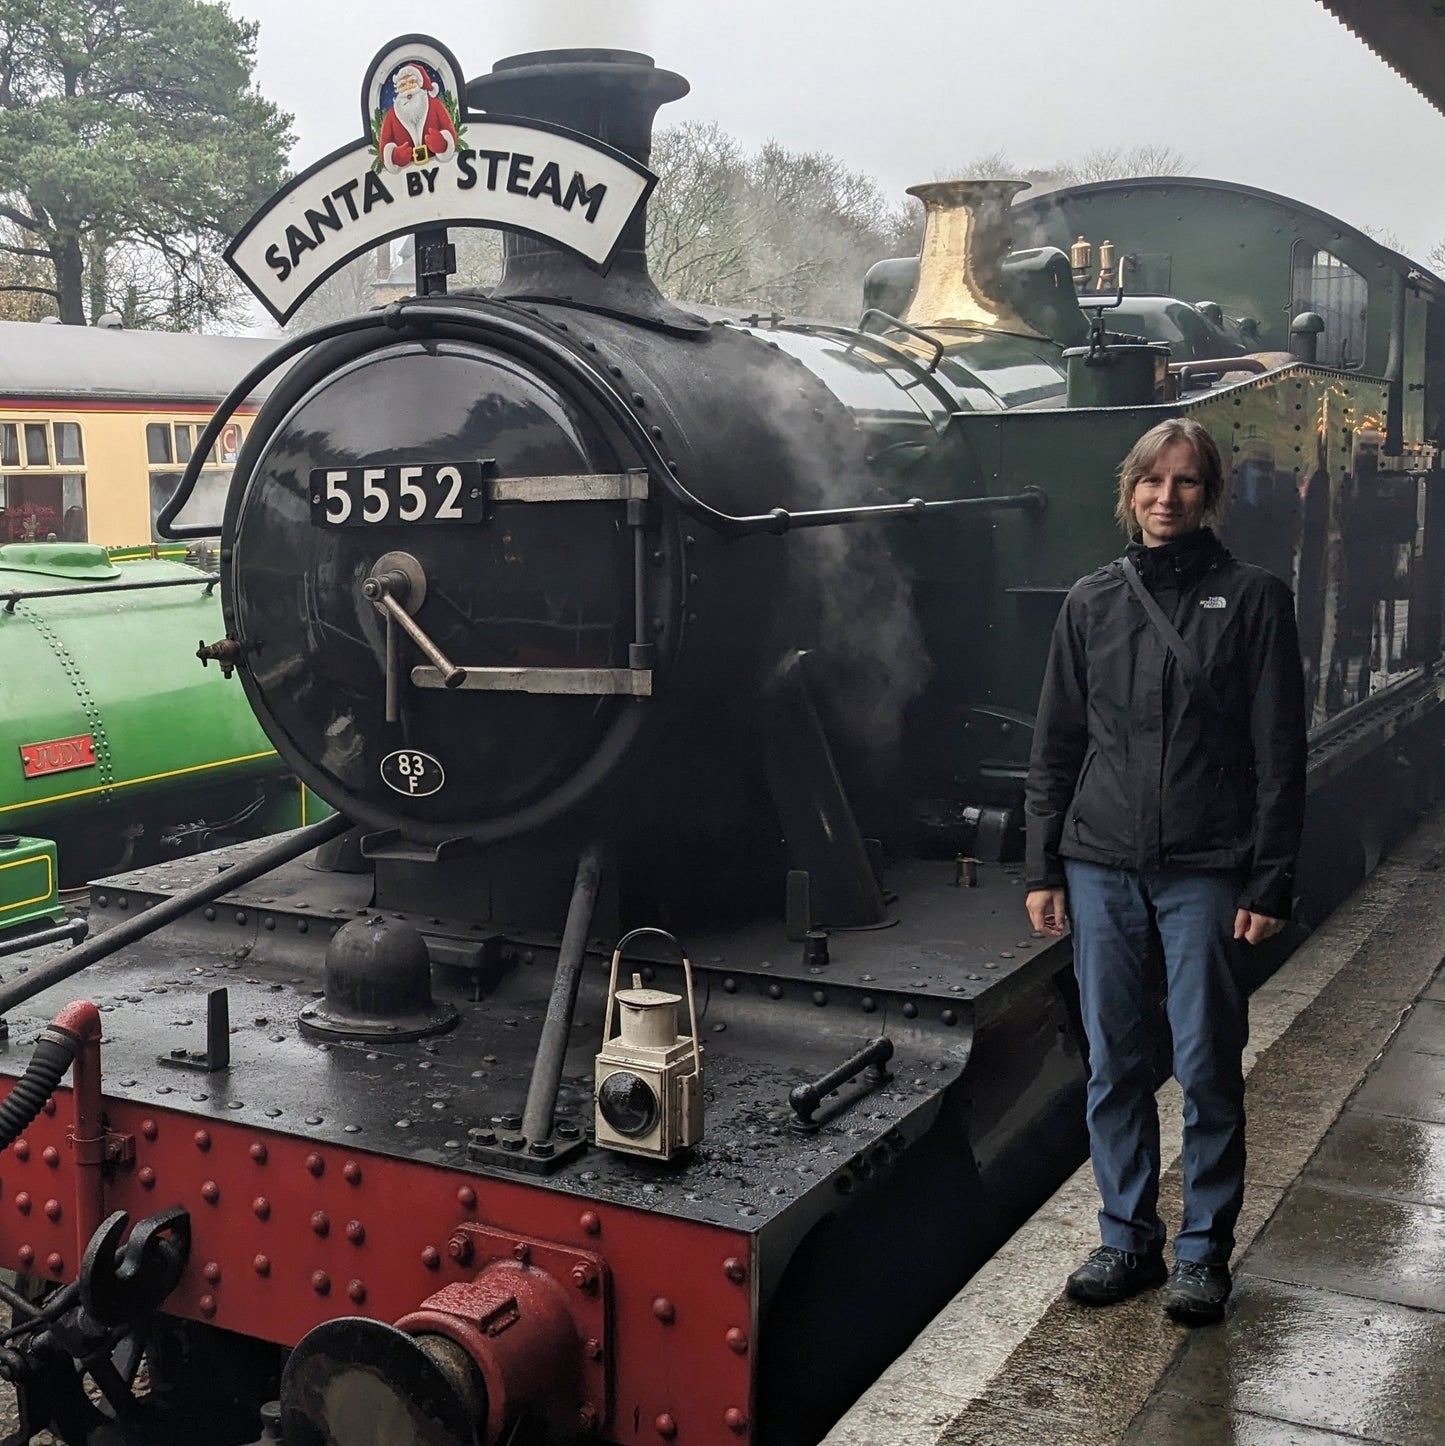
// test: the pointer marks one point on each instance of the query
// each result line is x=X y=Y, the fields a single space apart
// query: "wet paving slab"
x=1387 y=1250
x=1176 y=1419
x=1398 y=1159
x=1317 y=1359
x=1423 y=1031
x=1405 y=1084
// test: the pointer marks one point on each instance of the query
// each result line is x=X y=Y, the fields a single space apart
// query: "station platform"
x=1336 y=1330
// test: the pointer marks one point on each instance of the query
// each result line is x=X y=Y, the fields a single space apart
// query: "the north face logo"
x=1212 y=602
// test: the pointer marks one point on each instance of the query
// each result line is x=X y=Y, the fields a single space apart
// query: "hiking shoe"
x=1110 y=1275
x=1197 y=1292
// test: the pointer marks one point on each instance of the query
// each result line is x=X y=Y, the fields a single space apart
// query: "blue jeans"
x=1125 y=925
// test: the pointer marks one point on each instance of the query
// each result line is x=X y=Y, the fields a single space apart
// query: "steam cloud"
x=572 y=24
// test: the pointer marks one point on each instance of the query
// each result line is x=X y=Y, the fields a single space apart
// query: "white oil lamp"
x=649 y=1077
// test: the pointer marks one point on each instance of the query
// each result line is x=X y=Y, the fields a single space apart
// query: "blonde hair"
x=1145 y=452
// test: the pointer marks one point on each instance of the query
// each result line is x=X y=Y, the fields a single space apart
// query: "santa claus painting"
x=418 y=129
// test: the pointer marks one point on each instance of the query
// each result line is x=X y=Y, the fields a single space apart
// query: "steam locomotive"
x=673 y=670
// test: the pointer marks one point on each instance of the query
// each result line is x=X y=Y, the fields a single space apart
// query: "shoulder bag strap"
x=1189 y=668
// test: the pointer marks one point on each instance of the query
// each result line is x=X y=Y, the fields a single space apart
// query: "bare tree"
x=1101 y=163
x=788 y=229
x=700 y=232
x=348 y=292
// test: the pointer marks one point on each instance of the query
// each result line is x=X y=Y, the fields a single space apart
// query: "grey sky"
x=1274 y=93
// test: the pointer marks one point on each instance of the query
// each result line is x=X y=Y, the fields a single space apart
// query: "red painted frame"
x=288 y=1233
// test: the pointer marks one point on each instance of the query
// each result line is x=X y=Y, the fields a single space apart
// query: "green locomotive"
x=1317 y=362
x=115 y=745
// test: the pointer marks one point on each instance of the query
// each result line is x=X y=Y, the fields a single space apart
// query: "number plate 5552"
x=402 y=492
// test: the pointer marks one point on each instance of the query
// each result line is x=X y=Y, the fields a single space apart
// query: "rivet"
x=431 y=1257
x=737 y=1341
x=202 y=1139
x=52 y=1209
x=210 y=1192
x=950 y=1017
x=666 y=1426
x=736 y=1420
x=320 y=1282
x=262 y=1265
x=592 y=1349
x=23 y=1202
x=22 y=1149
x=259 y=1152
x=910 y=1010
x=261 y=1207
x=207 y=1304
x=467 y=1197
x=320 y=1223
x=212 y=1271
x=591 y=1222
x=101 y=900
x=820 y=997
x=869 y=1004
x=736 y=1270
x=54 y=1263
x=51 y=1156
x=149 y=1129
x=240 y=916
x=356 y=1232
x=356 y=1290
x=775 y=991
x=147 y=1177
x=664 y=1310
x=26 y=1255
x=302 y=926
x=210 y=915
x=316 y=1165
x=268 y=922
x=49 y=1106
x=521 y=1252
x=351 y=1172
x=122 y=902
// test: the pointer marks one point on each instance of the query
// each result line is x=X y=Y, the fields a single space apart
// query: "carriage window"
x=207 y=503
x=37 y=445
x=183 y=443
x=69 y=451
x=158 y=442
x=73 y=525
x=1323 y=283
x=9 y=445
x=32 y=508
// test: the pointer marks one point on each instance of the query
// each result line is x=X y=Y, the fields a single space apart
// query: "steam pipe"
x=166 y=524
x=210 y=579
x=137 y=926
x=504 y=331
x=75 y=929
x=542 y=1089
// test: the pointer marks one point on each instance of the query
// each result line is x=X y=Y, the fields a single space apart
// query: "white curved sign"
x=424 y=162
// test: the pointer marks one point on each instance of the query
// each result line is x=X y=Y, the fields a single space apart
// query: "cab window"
x=1324 y=284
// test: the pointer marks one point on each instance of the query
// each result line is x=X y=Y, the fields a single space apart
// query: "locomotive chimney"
x=960 y=266
x=612 y=96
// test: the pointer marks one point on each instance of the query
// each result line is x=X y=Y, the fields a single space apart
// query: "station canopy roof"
x=1408 y=35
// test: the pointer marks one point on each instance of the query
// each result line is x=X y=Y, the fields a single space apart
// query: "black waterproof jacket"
x=1133 y=771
